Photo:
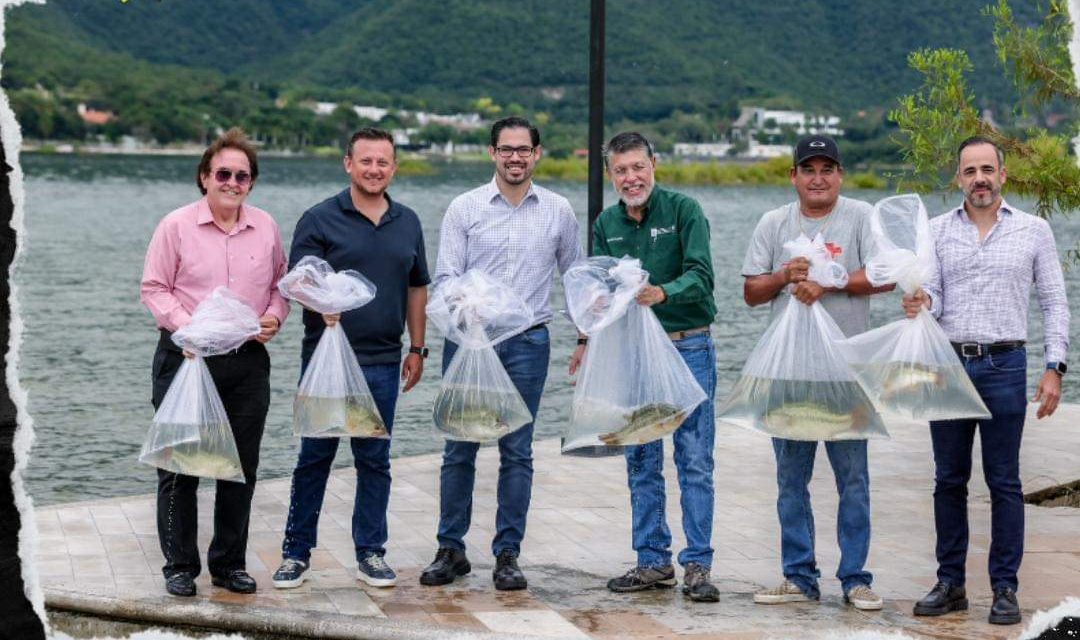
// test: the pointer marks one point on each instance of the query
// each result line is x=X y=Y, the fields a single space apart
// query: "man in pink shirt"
x=215 y=241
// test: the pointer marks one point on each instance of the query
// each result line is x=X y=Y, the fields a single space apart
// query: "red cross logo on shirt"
x=834 y=249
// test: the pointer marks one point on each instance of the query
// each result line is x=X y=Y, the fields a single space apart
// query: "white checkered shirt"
x=980 y=292
x=519 y=245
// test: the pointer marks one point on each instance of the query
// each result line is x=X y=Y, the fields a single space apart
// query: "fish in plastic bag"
x=796 y=383
x=909 y=367
x=477 y=401
x=634 y=387
x=333 y=399
x=190 y=433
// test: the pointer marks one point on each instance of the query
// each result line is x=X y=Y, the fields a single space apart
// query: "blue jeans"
x=1001 y=380
x=694 y=464
x=794 y=467
x=371 y=457
x=525 y=357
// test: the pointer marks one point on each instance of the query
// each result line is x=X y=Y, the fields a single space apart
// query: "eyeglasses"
x=223 y=175
x=508 y=152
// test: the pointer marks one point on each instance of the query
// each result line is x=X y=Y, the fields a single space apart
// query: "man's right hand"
x=797 y=270
x=331 y=318
x=915 y=303
x=577 y=358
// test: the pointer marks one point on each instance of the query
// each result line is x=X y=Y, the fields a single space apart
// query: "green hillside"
x=233 y=60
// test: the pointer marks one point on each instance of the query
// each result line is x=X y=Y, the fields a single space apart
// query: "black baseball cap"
x=815 y=146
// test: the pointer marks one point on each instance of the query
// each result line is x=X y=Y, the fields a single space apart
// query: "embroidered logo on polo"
x=617 y=239
x=656 y=232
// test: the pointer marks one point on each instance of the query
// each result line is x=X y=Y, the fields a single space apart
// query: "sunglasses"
x=223 y=175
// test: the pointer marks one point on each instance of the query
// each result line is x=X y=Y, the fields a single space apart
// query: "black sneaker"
x=448 y=564
x=180 y=584
x=507 y=575
x=374 y=571
x=290 y=574
x=942 y=599
x=641 y=578
x=696 y=584
x=1006 y=608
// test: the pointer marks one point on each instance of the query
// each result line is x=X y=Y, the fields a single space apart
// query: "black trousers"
x=243 y=381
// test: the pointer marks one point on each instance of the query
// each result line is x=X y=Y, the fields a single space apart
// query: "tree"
x=942 y=113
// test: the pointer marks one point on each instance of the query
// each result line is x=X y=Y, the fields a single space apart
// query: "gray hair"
x=626 y=141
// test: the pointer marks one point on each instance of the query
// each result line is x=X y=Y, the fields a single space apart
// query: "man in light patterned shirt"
x=518 y=232
x=988 y=254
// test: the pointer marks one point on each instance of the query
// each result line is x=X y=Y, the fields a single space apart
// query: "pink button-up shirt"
x=190 y=255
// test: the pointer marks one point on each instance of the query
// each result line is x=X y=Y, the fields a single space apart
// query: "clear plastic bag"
x=908 y=366
x=333 y=399
x=796 y=384
x=190 y=433
x=477 y=400
x=634 y=387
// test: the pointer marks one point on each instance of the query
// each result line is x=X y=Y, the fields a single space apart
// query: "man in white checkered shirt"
x=988 y=255
x=518 y=232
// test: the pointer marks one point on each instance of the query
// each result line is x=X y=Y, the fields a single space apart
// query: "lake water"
x=88 y=342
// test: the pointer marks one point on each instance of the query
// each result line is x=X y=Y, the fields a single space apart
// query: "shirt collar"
x=1005 y=207
x=492 y=191
x=345 y=203
x=205 y=216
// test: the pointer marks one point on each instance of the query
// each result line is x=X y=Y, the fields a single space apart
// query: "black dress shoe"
x=181 y=584
x=1006 y=609
x=237 y=581
x=507 y=575
x=942 y=599
x=448 y=564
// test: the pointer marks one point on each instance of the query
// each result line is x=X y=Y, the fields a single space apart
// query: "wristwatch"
x=420 y=351
x=1059 y=367
x=583 y=341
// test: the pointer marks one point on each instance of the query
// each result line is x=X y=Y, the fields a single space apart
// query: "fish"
x=363 y=420
x=909 y=379
x=807 y=421
x=466 y=420
x=645 y=424
x=193 y=461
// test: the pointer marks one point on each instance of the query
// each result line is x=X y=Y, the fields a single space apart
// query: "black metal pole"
x=596 y=115
x=596 y=161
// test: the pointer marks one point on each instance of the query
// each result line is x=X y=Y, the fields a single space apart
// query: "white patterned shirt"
x=519 y=245
x=980 y=291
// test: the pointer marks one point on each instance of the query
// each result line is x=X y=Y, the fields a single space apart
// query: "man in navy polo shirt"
x=363 y=229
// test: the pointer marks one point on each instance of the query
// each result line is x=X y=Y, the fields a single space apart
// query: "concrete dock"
x=103 y=556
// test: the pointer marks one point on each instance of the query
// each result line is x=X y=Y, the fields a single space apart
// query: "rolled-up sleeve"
x=159 y=276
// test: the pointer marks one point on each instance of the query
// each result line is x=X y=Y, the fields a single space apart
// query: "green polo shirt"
x=672 y=242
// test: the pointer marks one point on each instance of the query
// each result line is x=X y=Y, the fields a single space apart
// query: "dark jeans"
x=693 y=443
x=243 y=381
x=525 y=357
x=1001 y=380
x=371 y=458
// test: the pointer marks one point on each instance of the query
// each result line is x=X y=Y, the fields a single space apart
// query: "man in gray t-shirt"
x=843 y=223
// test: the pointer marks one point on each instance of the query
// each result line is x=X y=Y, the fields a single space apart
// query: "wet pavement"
x=102 y=557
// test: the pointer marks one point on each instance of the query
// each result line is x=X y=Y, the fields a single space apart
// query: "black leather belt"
x=536 y=326
x=977 y=350
x=165 y=342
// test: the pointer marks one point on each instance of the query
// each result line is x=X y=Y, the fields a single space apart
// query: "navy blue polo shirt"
x=390 y=254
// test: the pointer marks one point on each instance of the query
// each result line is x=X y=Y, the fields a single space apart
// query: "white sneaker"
x=786 y=592
x=863 y=598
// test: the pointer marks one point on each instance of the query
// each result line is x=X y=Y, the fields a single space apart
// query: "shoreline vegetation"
x=771 y=172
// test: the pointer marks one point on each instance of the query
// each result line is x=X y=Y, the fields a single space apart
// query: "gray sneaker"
x=696 y=584
x=785 y=592
x=641 y=578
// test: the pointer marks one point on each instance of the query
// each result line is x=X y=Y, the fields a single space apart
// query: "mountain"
x=684 y=55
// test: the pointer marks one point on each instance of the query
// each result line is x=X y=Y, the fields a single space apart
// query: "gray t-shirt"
x=847 y=233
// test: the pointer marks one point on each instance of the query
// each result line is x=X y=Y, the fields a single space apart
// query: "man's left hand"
x=808 y=292
x=1049 y=393
x=269 y=326
x=650 y=295
x=411 y=370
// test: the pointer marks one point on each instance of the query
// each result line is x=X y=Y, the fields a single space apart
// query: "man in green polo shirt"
x=668 y=232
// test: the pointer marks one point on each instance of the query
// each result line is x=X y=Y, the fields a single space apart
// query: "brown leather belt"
x=679 y=335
